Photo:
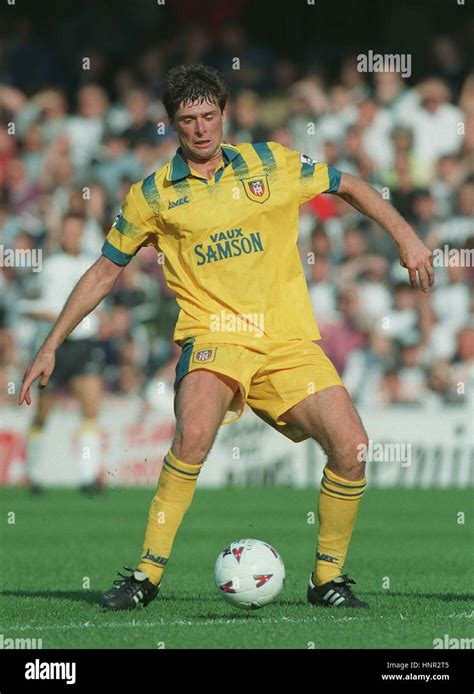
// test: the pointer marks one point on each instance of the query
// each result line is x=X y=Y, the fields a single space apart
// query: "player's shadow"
x=89 y=596
x=76 y=595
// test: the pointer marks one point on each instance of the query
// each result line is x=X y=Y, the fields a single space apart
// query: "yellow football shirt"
x=229 y=243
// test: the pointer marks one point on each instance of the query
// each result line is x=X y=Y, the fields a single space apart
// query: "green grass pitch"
x=62 y=539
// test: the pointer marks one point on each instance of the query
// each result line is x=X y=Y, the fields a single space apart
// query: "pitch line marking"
x=214 y=622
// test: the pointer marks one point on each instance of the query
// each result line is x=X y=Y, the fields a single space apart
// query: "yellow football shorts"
x=273 y=376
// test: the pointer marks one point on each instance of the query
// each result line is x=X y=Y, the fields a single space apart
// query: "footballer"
x=226 y=220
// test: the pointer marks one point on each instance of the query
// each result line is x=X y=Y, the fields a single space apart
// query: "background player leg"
x=87 y=389
x=35 y=440
x=331 y=419
x=200 y=406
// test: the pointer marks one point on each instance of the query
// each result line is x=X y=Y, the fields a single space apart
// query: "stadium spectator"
x=435 y=122
x=78 y=362
x=348 y=331
x=141 y=127
x=79 y=144
x=457 y=229
x=244 y=123
x=85 y=130
x=365 y=369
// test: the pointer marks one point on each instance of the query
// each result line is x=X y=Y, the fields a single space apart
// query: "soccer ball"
x=249 y=574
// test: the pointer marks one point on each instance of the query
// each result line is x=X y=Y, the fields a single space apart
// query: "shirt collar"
x=178 y=169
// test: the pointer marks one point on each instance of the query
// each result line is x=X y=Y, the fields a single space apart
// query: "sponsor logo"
x=177 y=203
x=326 y=557
x=256 y=189
x=154 y=559
x=228 y=244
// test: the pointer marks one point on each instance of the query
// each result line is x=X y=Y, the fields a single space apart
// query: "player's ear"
x=224 y=115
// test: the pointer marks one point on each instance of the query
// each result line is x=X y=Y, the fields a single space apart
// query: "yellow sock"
x=339 y=501
x=173 y=497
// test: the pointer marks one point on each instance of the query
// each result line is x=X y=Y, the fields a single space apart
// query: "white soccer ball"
x=249 y=574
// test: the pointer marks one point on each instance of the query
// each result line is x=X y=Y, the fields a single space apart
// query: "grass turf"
x=62 y=540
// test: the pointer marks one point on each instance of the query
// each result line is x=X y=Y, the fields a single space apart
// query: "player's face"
x=199 y=130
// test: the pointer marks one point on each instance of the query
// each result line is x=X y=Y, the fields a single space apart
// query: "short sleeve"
x=310 y=177
x=131 y=230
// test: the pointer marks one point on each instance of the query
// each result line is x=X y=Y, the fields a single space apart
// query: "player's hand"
x=41 y=367
x=417 y=258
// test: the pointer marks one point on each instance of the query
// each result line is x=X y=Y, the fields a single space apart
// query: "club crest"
x=204 y=355
x=256 y=189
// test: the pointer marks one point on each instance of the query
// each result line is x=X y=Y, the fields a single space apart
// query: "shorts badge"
x=204 y=355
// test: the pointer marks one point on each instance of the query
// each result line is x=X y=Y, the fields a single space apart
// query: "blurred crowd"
x=79 y=150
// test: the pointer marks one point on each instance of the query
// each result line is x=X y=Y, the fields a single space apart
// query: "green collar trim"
x=178 y=169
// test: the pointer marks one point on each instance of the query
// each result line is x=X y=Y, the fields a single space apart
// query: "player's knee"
x=350 y=451
x=192 y=442
x=361 y=444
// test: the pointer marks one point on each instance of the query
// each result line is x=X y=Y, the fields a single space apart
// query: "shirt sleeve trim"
x=116 y=256
x=334 y=176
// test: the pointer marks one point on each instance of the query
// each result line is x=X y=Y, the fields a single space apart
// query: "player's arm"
x=93 y=286
x=414 y=255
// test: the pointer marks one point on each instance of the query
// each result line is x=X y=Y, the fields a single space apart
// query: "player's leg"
x=330 y=418
x=87 y=389
x=35 y=438
x=201 y=403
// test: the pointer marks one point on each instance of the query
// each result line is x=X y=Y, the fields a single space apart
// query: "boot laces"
x=128 y=583
x=343 y=586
